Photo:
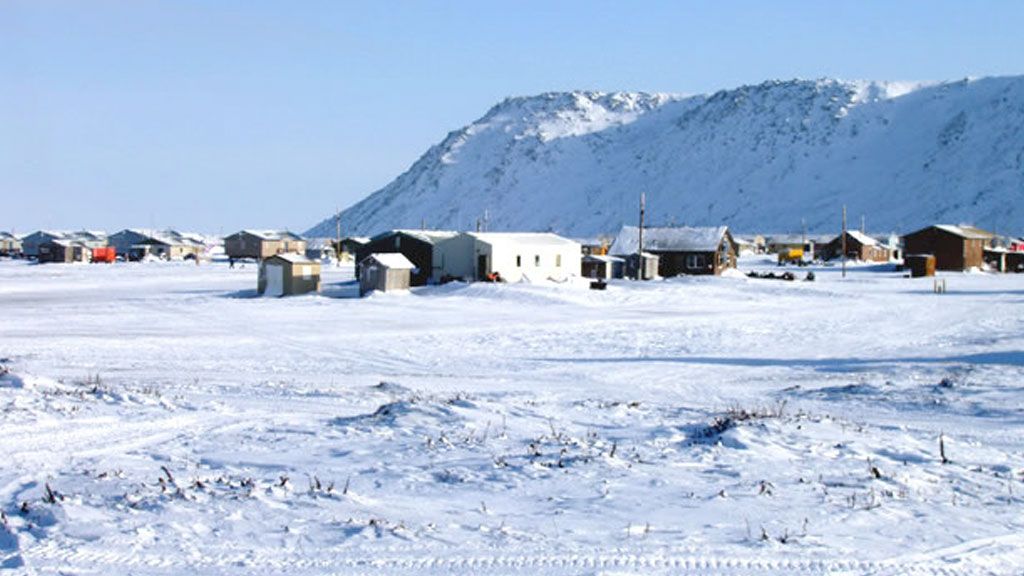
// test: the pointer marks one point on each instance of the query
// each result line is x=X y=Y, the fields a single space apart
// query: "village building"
x=859 y=246
x=954 y=247
x=10 y=245
x=87 y=238
x=807 y=244
x=320 y=249
x=350 y=247
x=288 y=274
x=385 y=272
x=30 y=244
x=642 y=266
x=1015 y=261
x=600 y=267
x=416 y=245
x=681 y=250
x=260 y=244
x=507 y=256
x=137 y=244
x=995 y=258
x=63 y=251
x=596 y=246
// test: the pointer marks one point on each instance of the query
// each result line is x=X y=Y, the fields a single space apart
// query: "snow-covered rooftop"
x=862 y=237
x=293 y=258
x=392 y=260
x=523 y=238
x=669 y=239
x=273 y=234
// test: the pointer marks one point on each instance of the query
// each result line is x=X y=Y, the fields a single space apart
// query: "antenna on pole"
x=844 y=240
x=863 y=229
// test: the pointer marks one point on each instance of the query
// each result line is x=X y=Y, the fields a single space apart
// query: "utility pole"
x=640 y=240
x=863 y=229
x=337 y=237
x=844 y=240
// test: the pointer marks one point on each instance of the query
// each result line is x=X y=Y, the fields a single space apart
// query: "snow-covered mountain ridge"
x=757 y=158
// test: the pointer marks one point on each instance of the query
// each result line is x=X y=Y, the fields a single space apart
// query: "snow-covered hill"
x=759 y=158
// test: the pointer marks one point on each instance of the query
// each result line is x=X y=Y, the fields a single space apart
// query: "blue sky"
x=218 y=115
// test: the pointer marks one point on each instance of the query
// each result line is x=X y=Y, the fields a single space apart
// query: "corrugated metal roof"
x=669 y=239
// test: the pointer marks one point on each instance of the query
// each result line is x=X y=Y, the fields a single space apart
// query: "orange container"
x=106 y=254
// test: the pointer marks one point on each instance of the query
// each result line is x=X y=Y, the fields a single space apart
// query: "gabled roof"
x=270 y=234
x=523 y=238
x=861 y=237
x=669 y=239
x=391 y=260
x=428 y=236
x=968 y=232
x=7 y=236
x=293 y=258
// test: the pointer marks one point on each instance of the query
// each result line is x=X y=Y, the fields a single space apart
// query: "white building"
x=514 y=256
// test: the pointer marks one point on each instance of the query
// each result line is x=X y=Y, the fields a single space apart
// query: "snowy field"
x=158 y=419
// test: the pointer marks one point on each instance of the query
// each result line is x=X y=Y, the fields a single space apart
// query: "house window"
x=536 y=260
x=558 y=260
x=519 y=261
x=695 y=261
x=398 y=242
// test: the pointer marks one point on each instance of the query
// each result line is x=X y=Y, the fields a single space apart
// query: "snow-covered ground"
x=158 y=419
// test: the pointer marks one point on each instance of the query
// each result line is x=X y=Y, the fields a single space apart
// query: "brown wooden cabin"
x=954 y=247
x=64 y=251
x=683 y=249
x=859 y=246
x=262 y=244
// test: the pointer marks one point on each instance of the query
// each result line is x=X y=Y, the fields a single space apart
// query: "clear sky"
x=214 y=115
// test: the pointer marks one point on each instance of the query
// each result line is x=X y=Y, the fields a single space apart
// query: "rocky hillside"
x=758 y=158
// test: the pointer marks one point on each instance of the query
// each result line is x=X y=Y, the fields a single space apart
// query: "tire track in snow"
x=341 y=561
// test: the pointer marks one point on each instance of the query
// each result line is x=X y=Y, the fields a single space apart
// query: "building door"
x=275 y=280
x=481 y=267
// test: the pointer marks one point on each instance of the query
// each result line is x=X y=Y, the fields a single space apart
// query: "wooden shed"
x=920 y=264
x=287 y=275
x=603 y=267
x=681 y=249
x=384 y=272
x=954 y=247
x=416 y=245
